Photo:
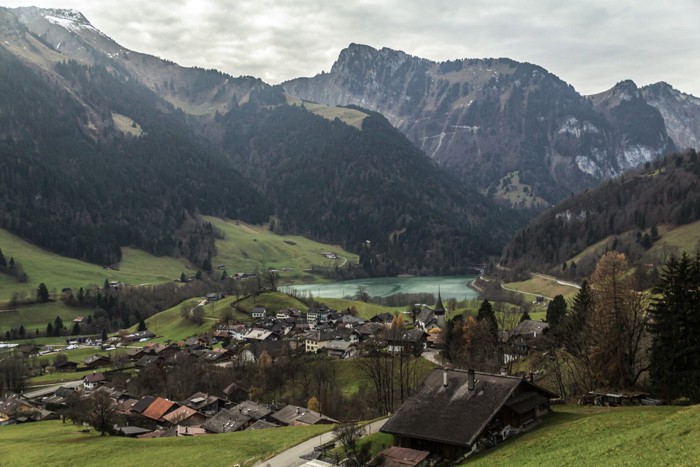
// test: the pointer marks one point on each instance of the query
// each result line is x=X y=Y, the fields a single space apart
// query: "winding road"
x=292 y=456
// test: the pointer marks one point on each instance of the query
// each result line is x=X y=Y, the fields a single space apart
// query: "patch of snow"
x=588 y=127
x=586 y=165
x=573 y=127
x=625 y=96
x=466 y=127
x=635 y=155
x=569 y=217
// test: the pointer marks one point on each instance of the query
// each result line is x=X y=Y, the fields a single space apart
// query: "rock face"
x=485 y=119
x=680 y=111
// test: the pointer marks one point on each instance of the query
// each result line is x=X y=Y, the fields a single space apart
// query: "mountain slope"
x=629 y=211
x=131 y=149
x=680 y=111
x=484 y=119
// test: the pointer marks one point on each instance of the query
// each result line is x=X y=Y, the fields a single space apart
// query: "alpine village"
x=397 y=262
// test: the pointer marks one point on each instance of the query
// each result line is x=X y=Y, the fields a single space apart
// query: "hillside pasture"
x=57 y=444
x=610 y=436
x=350 y=117
x=247 y=248
x=56 y=272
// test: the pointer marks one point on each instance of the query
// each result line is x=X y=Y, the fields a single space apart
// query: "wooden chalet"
x=457 y=411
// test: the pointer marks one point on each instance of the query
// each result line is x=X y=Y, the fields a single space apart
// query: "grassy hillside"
x=542 y=285
x=57 y=444
x=579 y=435
x=672 y=240
x=137 y=267
x=245 y=248
x=350 y=117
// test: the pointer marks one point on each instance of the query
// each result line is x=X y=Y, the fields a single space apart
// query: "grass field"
x=540 y=285
x=364 y=310
x=272 y=302
x=246 y=246
x=348 y=116
x=351 y=377
x=593 y=436
x=38 y=316
x=56 y=444
x=673 y=240
x=137 y=267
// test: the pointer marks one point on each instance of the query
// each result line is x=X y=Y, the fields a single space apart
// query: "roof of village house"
x=252 y=409
x=95 y=378
x=460 y=414
x=410 y=336
x=231 y=388
x=261 y=425
x=274 y=349
x=94 y=359
x=133 y=430
x=179 y=414
x=257 y=334
x=292 y=414
x=530 y=328
x=369 y=328
x=158 y=408
x=199 y=400
x=226 y=421
x=143 y=404
x=385 y=317
x=402 y=457
x=146 y=360
x=338 y=345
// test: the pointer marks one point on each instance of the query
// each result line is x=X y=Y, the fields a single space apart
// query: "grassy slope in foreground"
x=57 y=444
x=578 y=435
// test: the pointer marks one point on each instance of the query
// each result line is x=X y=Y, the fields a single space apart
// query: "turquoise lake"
x=450 y=287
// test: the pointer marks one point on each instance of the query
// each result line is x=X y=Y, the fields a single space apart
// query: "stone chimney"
x=471 y=380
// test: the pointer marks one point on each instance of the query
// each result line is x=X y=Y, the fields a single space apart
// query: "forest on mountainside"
x=72 y=183
x=664 y=192
x=333 y=182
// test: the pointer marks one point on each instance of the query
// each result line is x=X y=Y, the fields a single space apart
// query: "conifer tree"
x=486 y=313
x=675 y=327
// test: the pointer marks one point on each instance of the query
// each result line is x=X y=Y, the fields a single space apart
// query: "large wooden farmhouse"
x=456 y=411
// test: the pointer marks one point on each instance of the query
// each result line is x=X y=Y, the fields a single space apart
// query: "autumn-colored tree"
x=477 y=348
x=618 y=326
x=314 y=404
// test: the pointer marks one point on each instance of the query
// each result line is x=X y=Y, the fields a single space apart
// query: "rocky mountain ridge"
x=486 y=119
x=130 y=149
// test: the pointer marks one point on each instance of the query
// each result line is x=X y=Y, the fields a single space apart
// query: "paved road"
x=292 y=456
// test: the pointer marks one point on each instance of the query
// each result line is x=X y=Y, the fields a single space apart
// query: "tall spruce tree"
x=675 y=327
x=556 y=311
x=486 y=313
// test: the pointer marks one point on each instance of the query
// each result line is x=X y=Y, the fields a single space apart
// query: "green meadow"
x=610 y=436
x=57 y=444
x=247 y=248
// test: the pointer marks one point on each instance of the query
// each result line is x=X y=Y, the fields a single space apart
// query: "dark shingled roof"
x=292 y=413
x=530 y=328
x=453 y=414
x=143 y=404
x=252 y=409
x=226 y=421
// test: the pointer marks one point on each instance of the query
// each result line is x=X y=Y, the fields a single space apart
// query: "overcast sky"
x=591 y=44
